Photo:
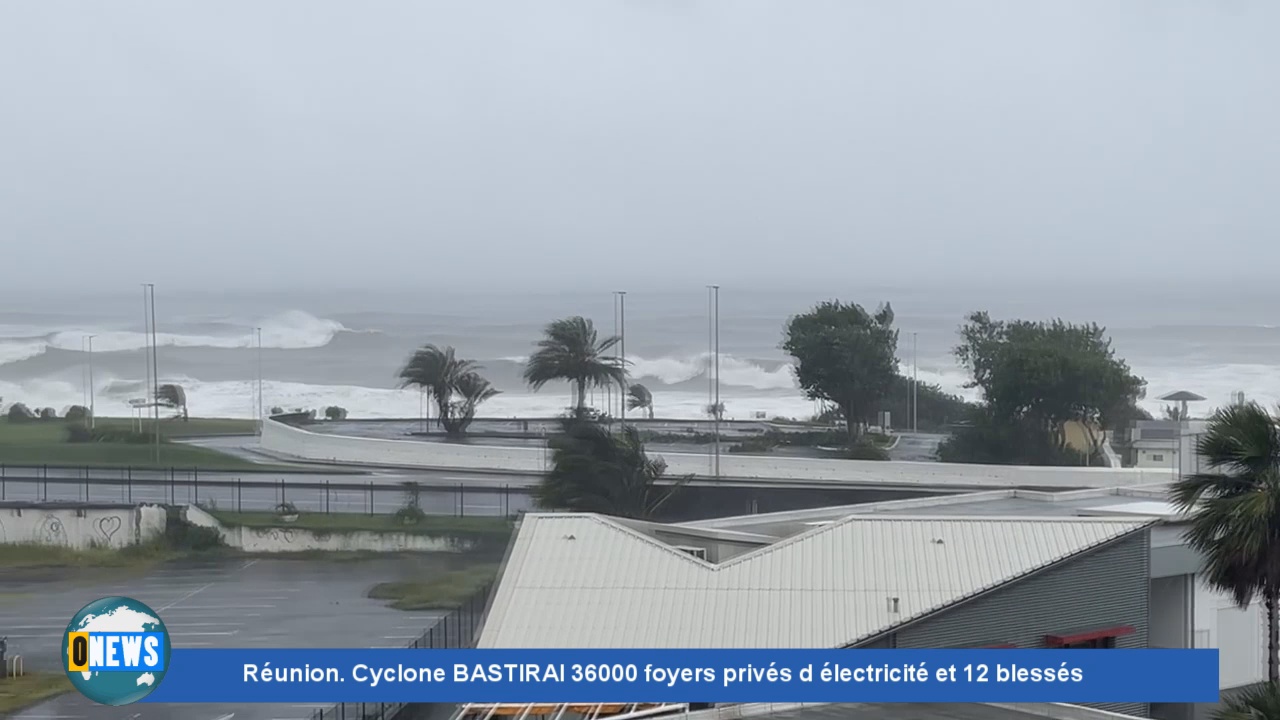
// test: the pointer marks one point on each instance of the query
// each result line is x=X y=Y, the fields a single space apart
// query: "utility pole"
x=715 y=354
x=89 y=340
x=155 y=364
x=620 y=301
x=915 y=384
x=261 y=418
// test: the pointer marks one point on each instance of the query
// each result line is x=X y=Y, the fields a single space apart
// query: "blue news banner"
x=727 y=676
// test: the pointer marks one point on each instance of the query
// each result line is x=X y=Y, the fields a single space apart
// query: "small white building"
x=1168 y=445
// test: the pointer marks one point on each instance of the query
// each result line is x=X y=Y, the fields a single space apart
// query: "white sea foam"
x=291 y=330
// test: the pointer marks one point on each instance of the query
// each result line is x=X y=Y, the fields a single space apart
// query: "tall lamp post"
x=257 y=332
x=89 y=342
x=714 y=299
x=620 y=305
x=915 y=384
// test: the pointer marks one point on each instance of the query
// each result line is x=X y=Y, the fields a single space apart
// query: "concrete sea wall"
x=80 y=526
x=287 y=441
x=290 y=539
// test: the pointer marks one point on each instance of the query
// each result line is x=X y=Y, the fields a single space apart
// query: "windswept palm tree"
x=639 y=398
x=599 y=471
x=1235 y=512
x=435 y=371
x=1261 y=702
x=172 y=395
x=473 y=390
x=573 y=351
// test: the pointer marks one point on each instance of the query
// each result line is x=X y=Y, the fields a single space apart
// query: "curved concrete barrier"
x=293 y=442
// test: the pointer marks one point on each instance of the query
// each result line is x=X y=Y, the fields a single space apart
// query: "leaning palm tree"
x=1260 y=702
x=639 y=398
x=601 y=472
x=573 y=351
x=1235 y=512
x=473 y=390
x=435 y=371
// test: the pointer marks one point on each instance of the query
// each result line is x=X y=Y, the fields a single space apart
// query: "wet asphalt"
x=232 y=604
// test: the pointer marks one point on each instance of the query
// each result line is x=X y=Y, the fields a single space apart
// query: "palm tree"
x=572 y=351
x=1261 y=702
x=435 y=371
x=473 y=389
x=1235 y=512
x=598 y=471
x=639 y=398
x=172 y=395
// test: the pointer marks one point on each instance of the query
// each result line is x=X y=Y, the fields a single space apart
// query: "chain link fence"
x=454 y=631
x=225 y=492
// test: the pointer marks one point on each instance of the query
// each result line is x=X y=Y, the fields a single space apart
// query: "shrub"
x=866 y=449
x=18 y=412
x=48 y=414
x=410 y=515
x=79 y=434
x=333 y=412
x=277 y=410
x=286 y=508
x=76 y=413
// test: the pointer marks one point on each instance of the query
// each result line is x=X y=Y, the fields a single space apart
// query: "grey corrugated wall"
x=1105 y=587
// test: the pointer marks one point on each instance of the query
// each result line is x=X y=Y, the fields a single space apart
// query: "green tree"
x=598 y=471
x=845 y=356
x=472 y=389
x=1235 y=512
x=572 y=351
x=435 y=371
x=1260 y=702
x=172 y=395
x=1043 y=375
x=639 y=398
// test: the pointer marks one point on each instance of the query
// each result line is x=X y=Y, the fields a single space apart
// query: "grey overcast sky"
x=294 y=142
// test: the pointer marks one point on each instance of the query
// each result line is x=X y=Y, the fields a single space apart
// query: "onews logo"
x=116 y=651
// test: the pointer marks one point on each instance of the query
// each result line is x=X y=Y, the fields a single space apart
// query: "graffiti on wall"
x=52 y=532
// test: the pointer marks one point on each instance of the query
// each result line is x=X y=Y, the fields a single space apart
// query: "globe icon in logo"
x=108 y=623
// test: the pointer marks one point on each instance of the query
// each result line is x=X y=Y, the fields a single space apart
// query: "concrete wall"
x=80 y=526
x=294 y=442
x=287 y=539
x=1104 y=588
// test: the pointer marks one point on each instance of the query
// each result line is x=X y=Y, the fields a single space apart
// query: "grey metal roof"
x=994 y=503
x=585 y=581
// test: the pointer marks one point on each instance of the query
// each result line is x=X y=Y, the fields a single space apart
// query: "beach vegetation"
x=845 y=356
x=19 y=413
x=25 y=690
x=454 y=384
x=172 y=395
x=334 y=412
x=936 y=410
x=76 y=414
x=1036 y=378
x=1234 y=511
x=572 y=351
x=639 y=398
x=595 y=470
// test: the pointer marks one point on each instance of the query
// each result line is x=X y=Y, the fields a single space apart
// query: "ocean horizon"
x=346 y=348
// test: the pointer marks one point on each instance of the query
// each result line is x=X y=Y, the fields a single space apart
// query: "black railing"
x=230 y=493
x=454 y=631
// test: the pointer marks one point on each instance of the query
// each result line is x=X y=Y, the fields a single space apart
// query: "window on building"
x=1156 y=457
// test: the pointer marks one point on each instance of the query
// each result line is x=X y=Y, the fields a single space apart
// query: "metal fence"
x=454 y=631
x=225 y=492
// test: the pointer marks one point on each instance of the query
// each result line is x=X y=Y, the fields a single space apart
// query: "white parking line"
x=184 y=597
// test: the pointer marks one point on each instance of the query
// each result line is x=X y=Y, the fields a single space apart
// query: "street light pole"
x=89 y=340
x=715 y=354
x=620 y=300
x=258 y=334
x=915 y=384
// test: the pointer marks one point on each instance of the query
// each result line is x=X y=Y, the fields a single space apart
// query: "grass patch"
x=48 y=442
x=490 y=528
x=20 y=692
x=443 y=592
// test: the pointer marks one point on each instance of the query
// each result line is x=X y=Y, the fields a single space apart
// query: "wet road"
x=917 y=447
x=234 y=603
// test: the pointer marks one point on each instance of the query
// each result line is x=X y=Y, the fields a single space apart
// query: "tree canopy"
x=572 y=350
x=844 y=355
x=1235 y=512
x=595 y=470
x=1037 y=376
x=440 y=373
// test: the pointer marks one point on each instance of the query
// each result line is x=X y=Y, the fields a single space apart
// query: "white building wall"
x=1239 y=635
x=1171 y=612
